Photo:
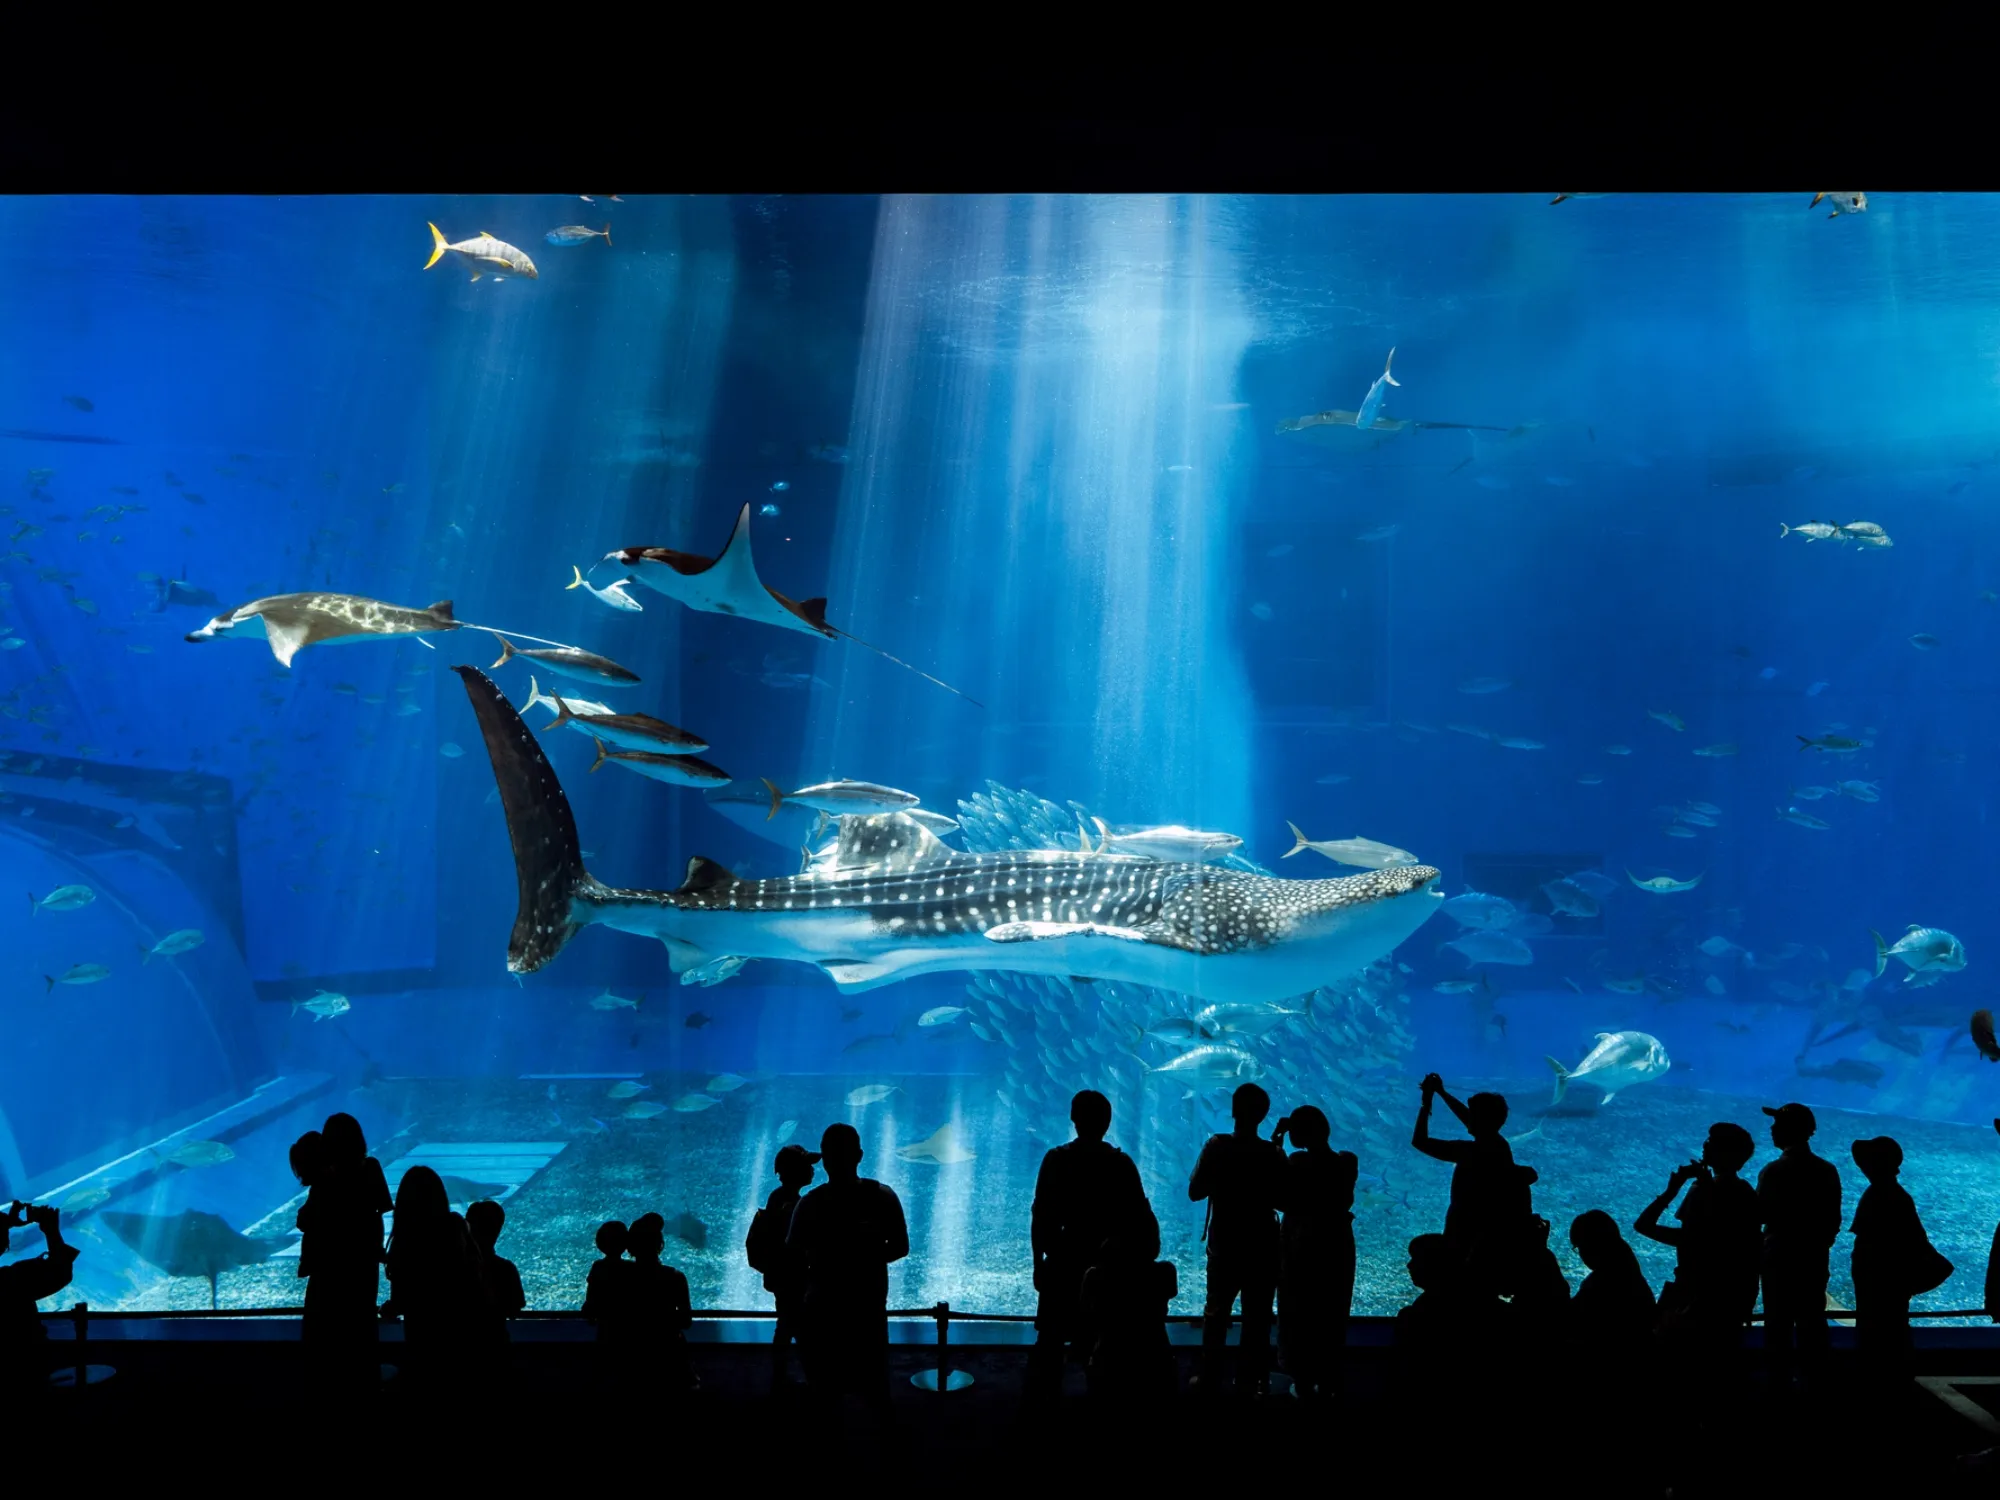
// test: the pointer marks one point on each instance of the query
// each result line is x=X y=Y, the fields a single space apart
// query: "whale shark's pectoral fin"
x=682 y=956
x=852 y=974
x=1034 y=932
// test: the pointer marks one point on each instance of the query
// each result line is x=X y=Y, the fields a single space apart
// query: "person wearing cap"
x=1798 y=1200
x=767 y=1252
x=845 y=1235
x=1893 y=1257
x=1086 y=1190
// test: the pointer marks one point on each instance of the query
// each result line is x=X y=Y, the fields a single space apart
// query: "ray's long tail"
x=867 y=646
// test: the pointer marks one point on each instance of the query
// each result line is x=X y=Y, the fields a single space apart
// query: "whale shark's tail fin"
x=548 y=861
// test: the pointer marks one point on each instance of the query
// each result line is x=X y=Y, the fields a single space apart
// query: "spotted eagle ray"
x=292 y=622
x=191 y=1243
x=898 y=903
x=728 y=585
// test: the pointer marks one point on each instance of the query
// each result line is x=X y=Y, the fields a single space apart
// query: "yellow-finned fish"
x=485 y=254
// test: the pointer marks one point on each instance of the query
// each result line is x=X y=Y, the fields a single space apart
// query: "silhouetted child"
x=658 y=1307
x=1125 y=1296
x=604 y=1290
x=504 y=1293
x=1239 y=1175
x=1612 y=1313
x=23 y=1341
x=1316 y=1276
x=764 y=1247
x=1489 y=1200
x=1719 y=1240
x=1893 y=1258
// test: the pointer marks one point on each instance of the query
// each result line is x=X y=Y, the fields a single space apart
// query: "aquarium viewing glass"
x=1652 y=600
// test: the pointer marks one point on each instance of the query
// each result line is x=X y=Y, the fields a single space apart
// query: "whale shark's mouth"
x=896 y=902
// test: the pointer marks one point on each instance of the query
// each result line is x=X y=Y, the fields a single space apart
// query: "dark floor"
x=1553 y=1430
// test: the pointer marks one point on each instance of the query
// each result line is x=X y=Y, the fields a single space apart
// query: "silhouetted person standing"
x=1798 y=1199
x=500 y=1276
x=1239 y=1175
x=660 y=1311
x=1893 y=1259
x=768 y=1254
x=342 y=1222
x=433 y=1268
x=845 y=1235
x=1719 y=1242
x=1085 y=1190
x=1490 y=1201
x=24 y=1373
x=1316 y=1270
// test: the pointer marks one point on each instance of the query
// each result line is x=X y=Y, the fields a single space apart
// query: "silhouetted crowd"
x=1279 y=1239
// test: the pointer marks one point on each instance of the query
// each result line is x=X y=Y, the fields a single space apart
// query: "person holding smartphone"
x=23 y=1340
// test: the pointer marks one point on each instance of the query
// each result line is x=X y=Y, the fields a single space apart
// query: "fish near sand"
x=485 y=255
x=292 y=622
x=1924 y=949
x=1217 y=934
x=569 y=661
x=1663 y=885
x=728 y=584
x=1620 y=1060
x=190 y=1243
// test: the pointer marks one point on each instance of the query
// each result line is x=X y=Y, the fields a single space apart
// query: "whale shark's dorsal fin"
x=704 y=874
x=889 y=842
x=548 y=861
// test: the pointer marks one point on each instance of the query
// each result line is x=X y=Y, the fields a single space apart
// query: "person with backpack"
x=764 y=1247
x=1241 y=1176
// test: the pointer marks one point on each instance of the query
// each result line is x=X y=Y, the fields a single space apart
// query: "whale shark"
x=727 y=584
x=896 y=903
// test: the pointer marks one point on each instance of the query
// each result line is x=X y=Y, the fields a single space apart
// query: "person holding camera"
x=23 y=1340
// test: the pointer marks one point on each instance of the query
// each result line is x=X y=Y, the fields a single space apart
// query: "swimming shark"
x=292 y=622
x=898 y=903
x=728 y=584
x=1371 y=404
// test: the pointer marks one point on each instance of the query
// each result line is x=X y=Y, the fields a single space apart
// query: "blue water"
x=1031 y=447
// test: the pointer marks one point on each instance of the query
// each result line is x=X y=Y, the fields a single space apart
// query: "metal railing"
x=942 y=1314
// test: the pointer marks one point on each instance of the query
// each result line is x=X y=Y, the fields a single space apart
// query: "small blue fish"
x=780 y=487
x=768 y=509
x=577 y=234
x=1371 y=404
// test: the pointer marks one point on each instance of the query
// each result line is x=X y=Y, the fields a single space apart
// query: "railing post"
x=944 y=1379
x=81 y=1314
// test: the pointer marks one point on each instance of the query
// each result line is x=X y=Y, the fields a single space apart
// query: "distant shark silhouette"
x=728 y=585
x=59 y=437
x=190 y=1243
x=1339 y=427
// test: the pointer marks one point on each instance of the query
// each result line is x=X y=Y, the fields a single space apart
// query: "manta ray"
x=728 y=584
x=191 y=1243
x=897 y=903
